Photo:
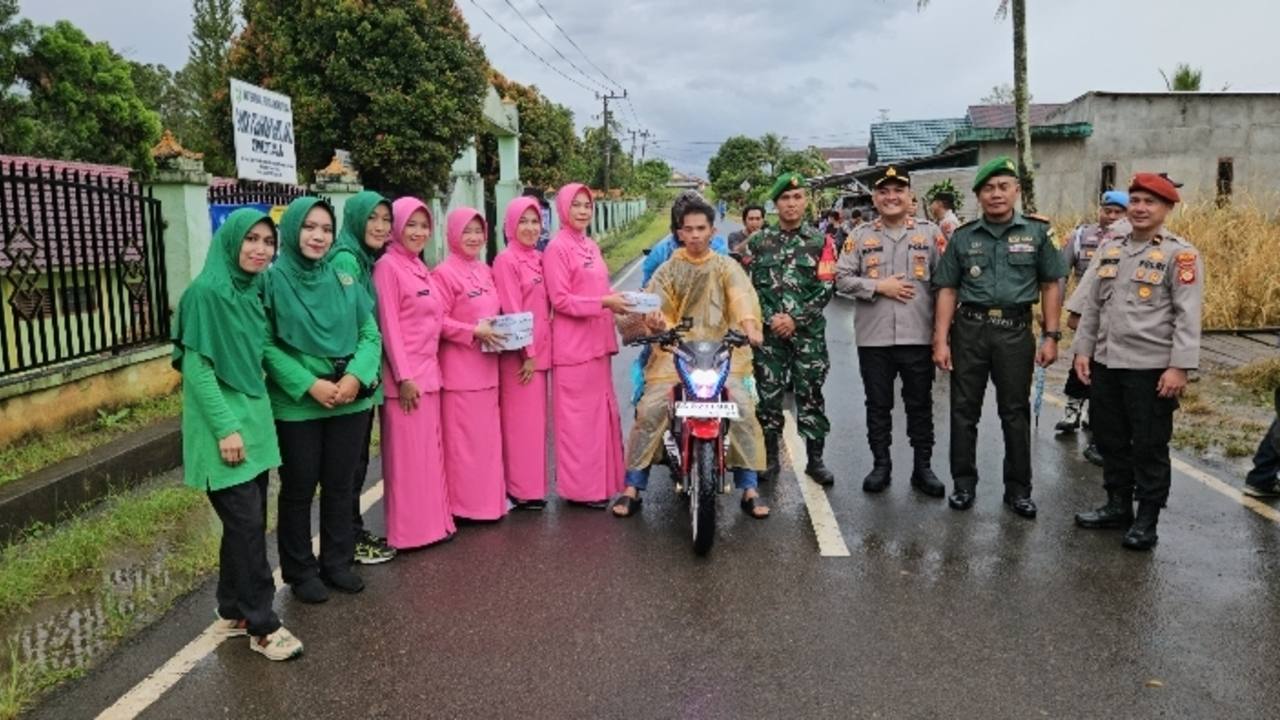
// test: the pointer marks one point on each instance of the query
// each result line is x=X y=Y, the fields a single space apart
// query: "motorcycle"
x=699 y=412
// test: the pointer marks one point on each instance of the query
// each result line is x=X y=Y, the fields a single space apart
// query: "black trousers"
x=879 y=367
x=981 y=350
x=1075 y=389
x=245 y=586
x=320 y=452
x=1132 y=426
x=357 y=481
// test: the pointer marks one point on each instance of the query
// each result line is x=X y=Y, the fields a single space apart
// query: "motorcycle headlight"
x=706 y=383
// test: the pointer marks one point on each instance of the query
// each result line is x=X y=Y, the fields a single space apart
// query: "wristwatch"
x=1055 y=335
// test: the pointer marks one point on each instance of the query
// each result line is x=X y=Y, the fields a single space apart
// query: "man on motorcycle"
x=715 y=292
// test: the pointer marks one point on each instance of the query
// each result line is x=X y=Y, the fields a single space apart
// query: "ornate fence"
x=81 y=266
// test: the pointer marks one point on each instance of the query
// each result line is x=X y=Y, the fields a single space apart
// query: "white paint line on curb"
x=146 y=692
x=1212 y=482
x=830 y=539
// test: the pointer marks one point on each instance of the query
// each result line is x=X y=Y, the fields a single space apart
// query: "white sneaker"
x=226 y=628
x=279 y=645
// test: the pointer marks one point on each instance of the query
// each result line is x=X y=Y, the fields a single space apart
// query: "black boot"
x=1142 y=535
x=922 y=477
x=771 y=458
x=881 y=472
x=1117 y=514
x=816 y=468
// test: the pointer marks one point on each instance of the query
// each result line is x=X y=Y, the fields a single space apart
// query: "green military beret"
x=785 y=182
x=1002 y=165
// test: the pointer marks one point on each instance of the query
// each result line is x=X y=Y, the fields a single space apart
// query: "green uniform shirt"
x=291 y=373
x=212 y=410
x=1000 y=265
x=783 y=267
x=344 y=262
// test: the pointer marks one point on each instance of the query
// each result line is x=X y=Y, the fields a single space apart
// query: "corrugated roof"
x=906 y=139
x=1002 y=116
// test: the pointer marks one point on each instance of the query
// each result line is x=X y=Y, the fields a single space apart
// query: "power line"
x=529 y=49
x=528 y=24
x=546 y=12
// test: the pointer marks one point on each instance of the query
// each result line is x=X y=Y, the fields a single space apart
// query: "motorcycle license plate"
x=727 y=410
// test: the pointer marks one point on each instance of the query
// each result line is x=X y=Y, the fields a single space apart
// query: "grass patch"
x=623 y=246
x=1262 y=376
x=41 y=450
x=47 y=561
x=170 y=527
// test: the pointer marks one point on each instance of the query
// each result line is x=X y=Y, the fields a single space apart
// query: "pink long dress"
x=472 y=448
x=410 y=314
x=517 y=271
x=588 y=432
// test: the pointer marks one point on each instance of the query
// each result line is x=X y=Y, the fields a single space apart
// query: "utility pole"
x=608 y=134
x=633 y=146
x=644 y=142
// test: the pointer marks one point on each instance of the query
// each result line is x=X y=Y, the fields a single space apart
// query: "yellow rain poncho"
x=717 y=294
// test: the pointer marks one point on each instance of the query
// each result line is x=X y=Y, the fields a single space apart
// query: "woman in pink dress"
x=522 y=374
x=589 y=462
x=411 y=314
x=472 y=448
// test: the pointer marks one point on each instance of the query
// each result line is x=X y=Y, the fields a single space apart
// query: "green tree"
x=15 y=33
x=399 y=83
x=158 y=88
x=82 y=103
x=594 y=141
x=201 y=118
x=808 y=162
x=774 y=149
x=547 y=140
x=739 y=159
x=649 y=178
x=1185 y=79
x=1021 y=95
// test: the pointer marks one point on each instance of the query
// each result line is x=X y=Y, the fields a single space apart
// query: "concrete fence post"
x=182 y=187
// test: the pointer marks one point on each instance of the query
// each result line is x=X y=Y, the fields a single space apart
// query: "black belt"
x=996 y=312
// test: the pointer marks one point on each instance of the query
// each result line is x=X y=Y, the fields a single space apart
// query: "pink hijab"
x=564 y=201
x=515 y=210
x=455 y=223
x=401 y=210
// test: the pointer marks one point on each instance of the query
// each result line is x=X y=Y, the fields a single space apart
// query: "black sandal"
x=626 y=502
x=529 y=504
x=749 y=506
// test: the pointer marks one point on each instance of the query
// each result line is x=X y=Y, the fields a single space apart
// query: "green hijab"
x=220 y=315
x=315 y=311
x=355 y=216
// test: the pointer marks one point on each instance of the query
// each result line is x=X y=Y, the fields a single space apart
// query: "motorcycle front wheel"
x=704 y=493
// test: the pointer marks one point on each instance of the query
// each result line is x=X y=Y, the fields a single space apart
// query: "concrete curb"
x=53 y=493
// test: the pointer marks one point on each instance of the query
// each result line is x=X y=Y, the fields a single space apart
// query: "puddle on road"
x=72 y=631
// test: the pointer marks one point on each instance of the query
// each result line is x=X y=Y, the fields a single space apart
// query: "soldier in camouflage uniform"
x=795 y=279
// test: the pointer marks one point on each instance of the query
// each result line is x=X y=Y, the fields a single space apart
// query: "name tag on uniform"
x=871 y=243
x=1108 y=271
x=1022 y=248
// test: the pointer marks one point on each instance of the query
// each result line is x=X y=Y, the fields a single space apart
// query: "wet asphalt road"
x=937 y=614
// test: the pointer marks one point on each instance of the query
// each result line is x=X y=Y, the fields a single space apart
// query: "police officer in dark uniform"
x=992 y=272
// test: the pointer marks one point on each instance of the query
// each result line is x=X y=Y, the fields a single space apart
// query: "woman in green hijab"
x=323 y=358
x=366 y=228
x=228 y=440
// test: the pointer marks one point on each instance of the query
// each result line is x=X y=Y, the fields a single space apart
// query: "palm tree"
x=774 y=149
x=1021 y=95
x=1185 y=79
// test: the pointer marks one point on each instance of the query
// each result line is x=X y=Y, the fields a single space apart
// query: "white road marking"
x=830 y=539
x=146 y=692
x=1210 y=481
x=636 y=265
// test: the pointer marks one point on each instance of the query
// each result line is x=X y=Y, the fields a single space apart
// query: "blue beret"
x=1116 y=197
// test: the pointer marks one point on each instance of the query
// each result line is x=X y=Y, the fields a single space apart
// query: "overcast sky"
x=815 y=71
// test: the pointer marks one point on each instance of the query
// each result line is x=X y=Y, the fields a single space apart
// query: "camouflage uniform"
x=784 y=270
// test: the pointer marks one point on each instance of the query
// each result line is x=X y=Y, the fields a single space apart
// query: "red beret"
x=1157 y=185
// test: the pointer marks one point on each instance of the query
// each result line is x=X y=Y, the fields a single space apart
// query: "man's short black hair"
x=857 y=215
x=946 y=199
x=747 y=211
x=696 y=206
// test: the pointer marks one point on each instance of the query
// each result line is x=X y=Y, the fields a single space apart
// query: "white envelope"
x=518 y=328
x=642 y=302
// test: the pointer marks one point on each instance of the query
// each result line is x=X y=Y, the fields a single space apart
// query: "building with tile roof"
x=898 y=140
